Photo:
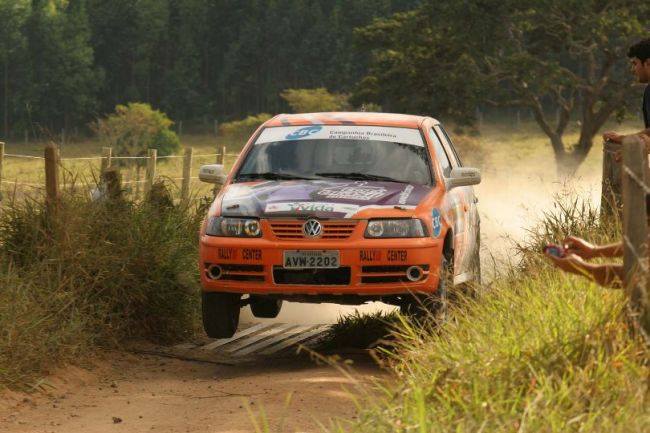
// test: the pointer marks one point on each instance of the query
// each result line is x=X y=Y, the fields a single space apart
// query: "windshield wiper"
x=360 y=176
x=272 y=176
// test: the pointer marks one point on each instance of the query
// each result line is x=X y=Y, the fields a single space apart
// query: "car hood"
x=318 y=198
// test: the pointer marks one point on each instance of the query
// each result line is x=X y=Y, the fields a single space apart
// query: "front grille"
x=312 y=277
x=389 y=269
x=287 y=230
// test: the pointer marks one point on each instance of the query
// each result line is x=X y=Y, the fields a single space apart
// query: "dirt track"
x=146 y=393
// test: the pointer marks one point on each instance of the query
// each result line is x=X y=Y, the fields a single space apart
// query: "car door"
x=461 y=209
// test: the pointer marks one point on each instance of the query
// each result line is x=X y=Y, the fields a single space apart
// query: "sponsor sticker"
x=303 y=132
x=370 y=255
x=396 y=255
x=226 y=253
x=436 y=221
x=404 y=196
x=251 y=254
x=310 y=206
x=355 y=192
x=342 y=132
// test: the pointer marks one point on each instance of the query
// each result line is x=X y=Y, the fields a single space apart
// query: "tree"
x=566 y=55
x=62 y=76
x=13 y=15
x=136 y=127
x=313 y=100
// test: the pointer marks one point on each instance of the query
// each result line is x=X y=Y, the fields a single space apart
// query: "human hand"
x=613 y=137
x=571 y=263
x=579 y=247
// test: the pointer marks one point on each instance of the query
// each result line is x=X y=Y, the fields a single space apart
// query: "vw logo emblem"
x=312 y=228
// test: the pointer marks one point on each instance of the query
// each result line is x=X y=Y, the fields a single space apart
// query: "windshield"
x=286 y=153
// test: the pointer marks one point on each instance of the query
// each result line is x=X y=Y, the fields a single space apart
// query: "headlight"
x=234 y=227
x=396 y=228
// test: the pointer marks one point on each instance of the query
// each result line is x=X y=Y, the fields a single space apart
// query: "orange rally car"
x=337 y=207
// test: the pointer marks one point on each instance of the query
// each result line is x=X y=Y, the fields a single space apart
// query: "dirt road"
x=135 y=392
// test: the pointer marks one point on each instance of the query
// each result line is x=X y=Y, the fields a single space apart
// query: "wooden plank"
x=295 y=340
x=635 y=228
x=273 y=340
x=278 y=328
x=223 y=341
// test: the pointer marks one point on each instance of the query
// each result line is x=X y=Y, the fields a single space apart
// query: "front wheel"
x=220 y=313
x=264 y=307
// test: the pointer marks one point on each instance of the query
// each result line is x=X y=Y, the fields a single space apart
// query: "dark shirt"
x=646 y=106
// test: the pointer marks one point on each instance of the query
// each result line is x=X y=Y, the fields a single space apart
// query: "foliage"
x=91 y=274
x=242 y=129
x=136 y=127
x=560 y=56
x=65 y=62
x=314 y=100
x=537 y=351
x=360 y=331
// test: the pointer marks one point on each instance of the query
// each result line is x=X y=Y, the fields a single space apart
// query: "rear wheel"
x=264 y=307
x=220 y=314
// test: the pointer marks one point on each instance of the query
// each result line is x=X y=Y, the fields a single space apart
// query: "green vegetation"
x=314 y=100
x=538 y=351
x=64 y=62
x=561 y=57
x=136 y=127
x=242 y=129
x=88 y=274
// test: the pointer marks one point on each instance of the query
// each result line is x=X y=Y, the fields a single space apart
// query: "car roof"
x=347 y=118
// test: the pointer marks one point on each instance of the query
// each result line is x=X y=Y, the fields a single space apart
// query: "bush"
x=136 y=127
x=92 y=273
x=242 y=129
x=314 y=100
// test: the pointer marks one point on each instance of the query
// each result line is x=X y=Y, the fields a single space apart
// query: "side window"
x=451 y=146
x=441 y=155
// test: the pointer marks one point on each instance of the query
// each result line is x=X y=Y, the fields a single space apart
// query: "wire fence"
x=24 y=175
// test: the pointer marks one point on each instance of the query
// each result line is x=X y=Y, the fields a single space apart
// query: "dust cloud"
x=516 y=188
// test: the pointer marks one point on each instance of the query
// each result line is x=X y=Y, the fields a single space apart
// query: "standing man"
x=640 y=55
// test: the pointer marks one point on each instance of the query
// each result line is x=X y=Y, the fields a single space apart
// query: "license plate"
x=311 y=259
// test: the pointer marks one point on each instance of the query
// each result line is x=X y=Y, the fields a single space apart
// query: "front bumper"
x=367 y=266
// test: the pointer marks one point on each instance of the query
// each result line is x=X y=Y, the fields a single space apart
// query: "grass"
x=91 y=274
x=537 y=351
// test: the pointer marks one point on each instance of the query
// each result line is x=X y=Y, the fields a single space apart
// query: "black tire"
x=264 y=307
x=220 y=314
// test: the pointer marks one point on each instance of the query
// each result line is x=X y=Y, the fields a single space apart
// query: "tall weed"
x=89 y=273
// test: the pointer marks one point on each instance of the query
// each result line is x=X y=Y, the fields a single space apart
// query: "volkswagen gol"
x=337 y=207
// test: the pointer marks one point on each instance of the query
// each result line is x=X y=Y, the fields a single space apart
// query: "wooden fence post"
x=107 y=153
x=635 y=229
x=187 y=176
x=611 y=190
x=151 y=171
x=52 y=173
x=221 y=155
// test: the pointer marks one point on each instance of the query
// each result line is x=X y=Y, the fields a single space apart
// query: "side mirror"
x=212 y=173
x=463 y=176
